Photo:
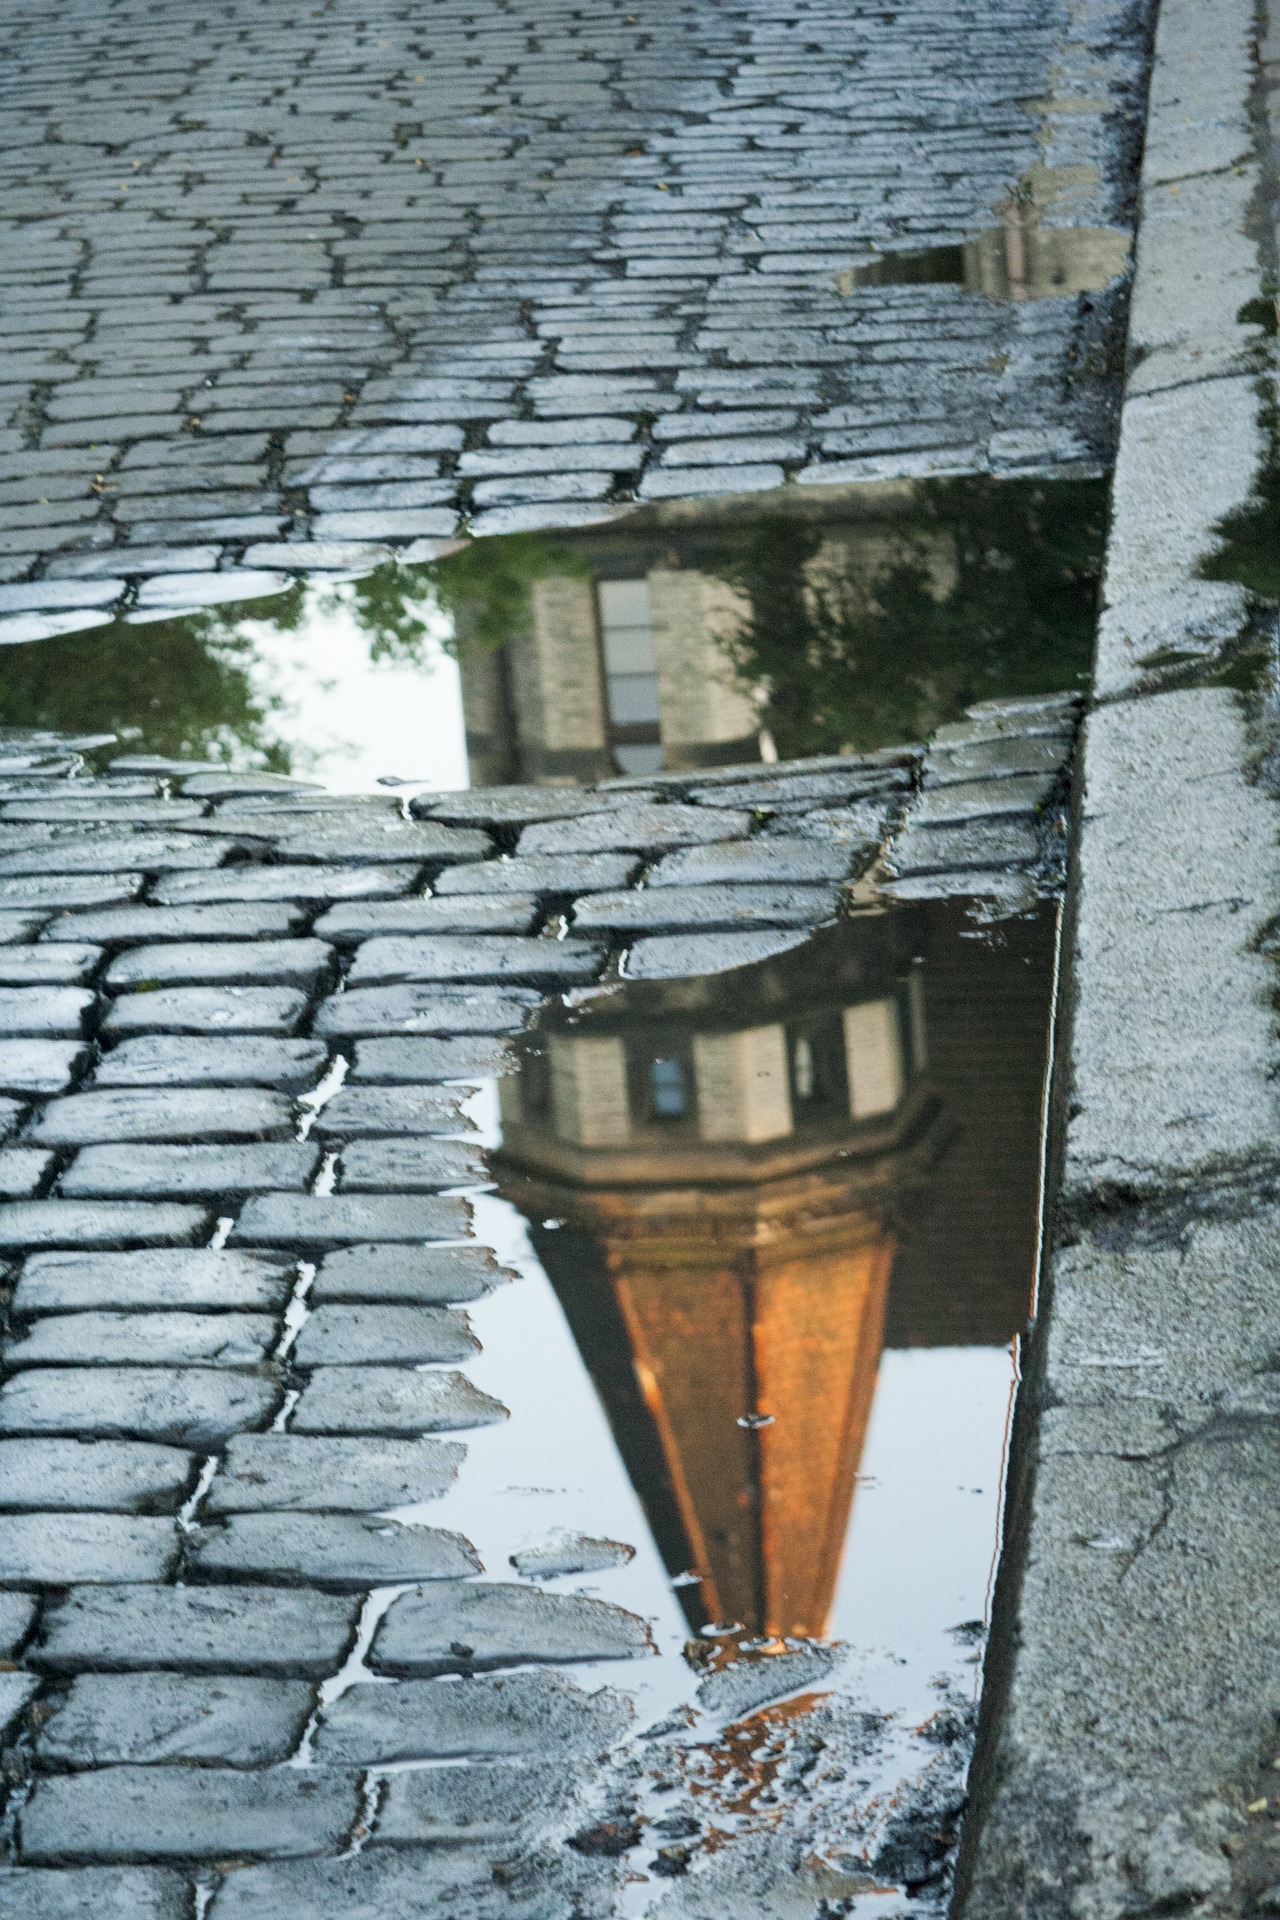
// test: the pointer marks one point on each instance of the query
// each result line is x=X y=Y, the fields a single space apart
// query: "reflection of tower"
x=724 y=1156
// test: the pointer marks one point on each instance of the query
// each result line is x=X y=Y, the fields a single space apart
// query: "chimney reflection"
x=720 y=1177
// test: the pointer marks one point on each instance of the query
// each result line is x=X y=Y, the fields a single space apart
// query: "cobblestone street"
x=276 y=285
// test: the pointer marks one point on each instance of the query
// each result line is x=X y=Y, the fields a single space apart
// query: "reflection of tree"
x=858 y=657
x=178 y=687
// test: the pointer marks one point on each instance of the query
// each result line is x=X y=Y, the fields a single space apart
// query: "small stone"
x=363 y=1111
x=746 y=1684
x=382 y=838
x=252 y=882
x=23 y=1171
x=93 y=1893
x=176 y=1278
x=415 y=1059
x=342 y=1551
x=29 y=1224
x=980 y=800
x=367 y=1012
x=359 y=1335
x=426 y=1276
x=44 y=1012
x=186 y=1813
x=145 y=1339
x=114 y=1719
x=780 y=859
x=679 y=956
x=502 y=1626
x=565 y=1552
x=291 y=963
x=206 y=1010
x=176 y=1114
x=463 y=913
x=274 y=1630
x=39 y=1066
x=491 y=1802
x=60 y=966
x=17 y=1611
x=477 y=957
x=105 y=1476
x=540 y=874
x=187 y=1406
x=311 y=1220
x=391 y=1400
x=180 y=1173
x=486 y=1716
x=163 y=1060
x=117 y=926
x=506 y=806
x=404 y=1166
x=283 y=1472
x=655 y=909
x=61 y=1549
x=636 y=829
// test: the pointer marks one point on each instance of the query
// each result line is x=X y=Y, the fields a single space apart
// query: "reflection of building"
x=731 y=1168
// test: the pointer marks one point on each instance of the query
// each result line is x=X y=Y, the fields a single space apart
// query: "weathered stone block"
x=539 y=874
x=230 y=1060
x=417 y=1883
x=489 y=1716
x=221 y=1629
x=415 y=1059
x=347 y=1335
x=115 y=1476
x=47 y=966
x=182 y=1173
x=180 y=1277
x=311 y=1220
x=674 y=956
x=340 y=1551
x=488 y=1802
x=502 y=1626
x=230 y=920
x=427 y=1276
x=63 y=1549
x=366 y=1012
x=780 y=860
x=253 y=883
x=39 y=1066
x=16 y=1693
x=186 y=1813
x=280 y=1472
x=374 y=837
x=282 y=963
x=206 y=1010
x=404 y=1166
x=981 y=800
x=28 y=1224
x=188 y=1406
x=161 y=1339
x=478 y=956
x=658 y=909
x=126 y=1113
x=392 y=1400
x=985 y=844
x=44 y=1012
x=113 y=1719
x=462 y=913
x=635 y=829
x=23 y=1171
x=93 y=1893
x=354 y=1111
x=17 y=1611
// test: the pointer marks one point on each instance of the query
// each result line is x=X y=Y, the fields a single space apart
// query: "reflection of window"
x=630 y=675
x=667 y=1089
x=819 y=1087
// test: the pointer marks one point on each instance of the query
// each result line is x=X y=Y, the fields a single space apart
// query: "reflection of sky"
x=348 y=720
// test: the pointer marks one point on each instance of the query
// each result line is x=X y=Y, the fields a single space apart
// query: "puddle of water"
x=1017 y=260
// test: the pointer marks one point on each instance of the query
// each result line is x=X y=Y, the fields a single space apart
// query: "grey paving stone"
x=411 y=1883
x=69 y=890
x=487 y=1716
x=995 y=759
x=479 y=956
x=427 y=1276
x=747 y=1684
x=351 y=1334
x=379 y=838
x=311 y=1220
x=341 y=1551
x=291 y=963
x=357 y=1111
x=222 y=1629
x=539 y=874
x=158 y=1339
x=174 y=1277
x=983 y=843
x=978 y=728
x=231 y=1060
x=47 y=966
x=31 y=1224
x=1010 y=892
x=491 y=1802
x=678 y=956
x=229 y=920
x=777 y=860
x=226 y=785
x=253 y=883
x=187 y=1406
x=367 y=1012
x=981 y=800
x=19 y=926
x=44 y=1012
x=462 y=913
x=272 y=1010
x=565 y=1552
x=23 y=1171
x=93 y=1893
x=62 y=1549
x=140 y=1719
x=94 y=1476
x=127 y=1113
x=506 y=806
x=282 y=1472
x=654 y=909
x=16 y=1693
x=11 y=1112
x=95 y=854
x=805 y=789
x=390 y=1400
x=415 y=1059
x=186 y=1813
x=504 y=1626
x=634 y=828
x=184 y=1173
x=17 y=1612
x=403 y=1166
